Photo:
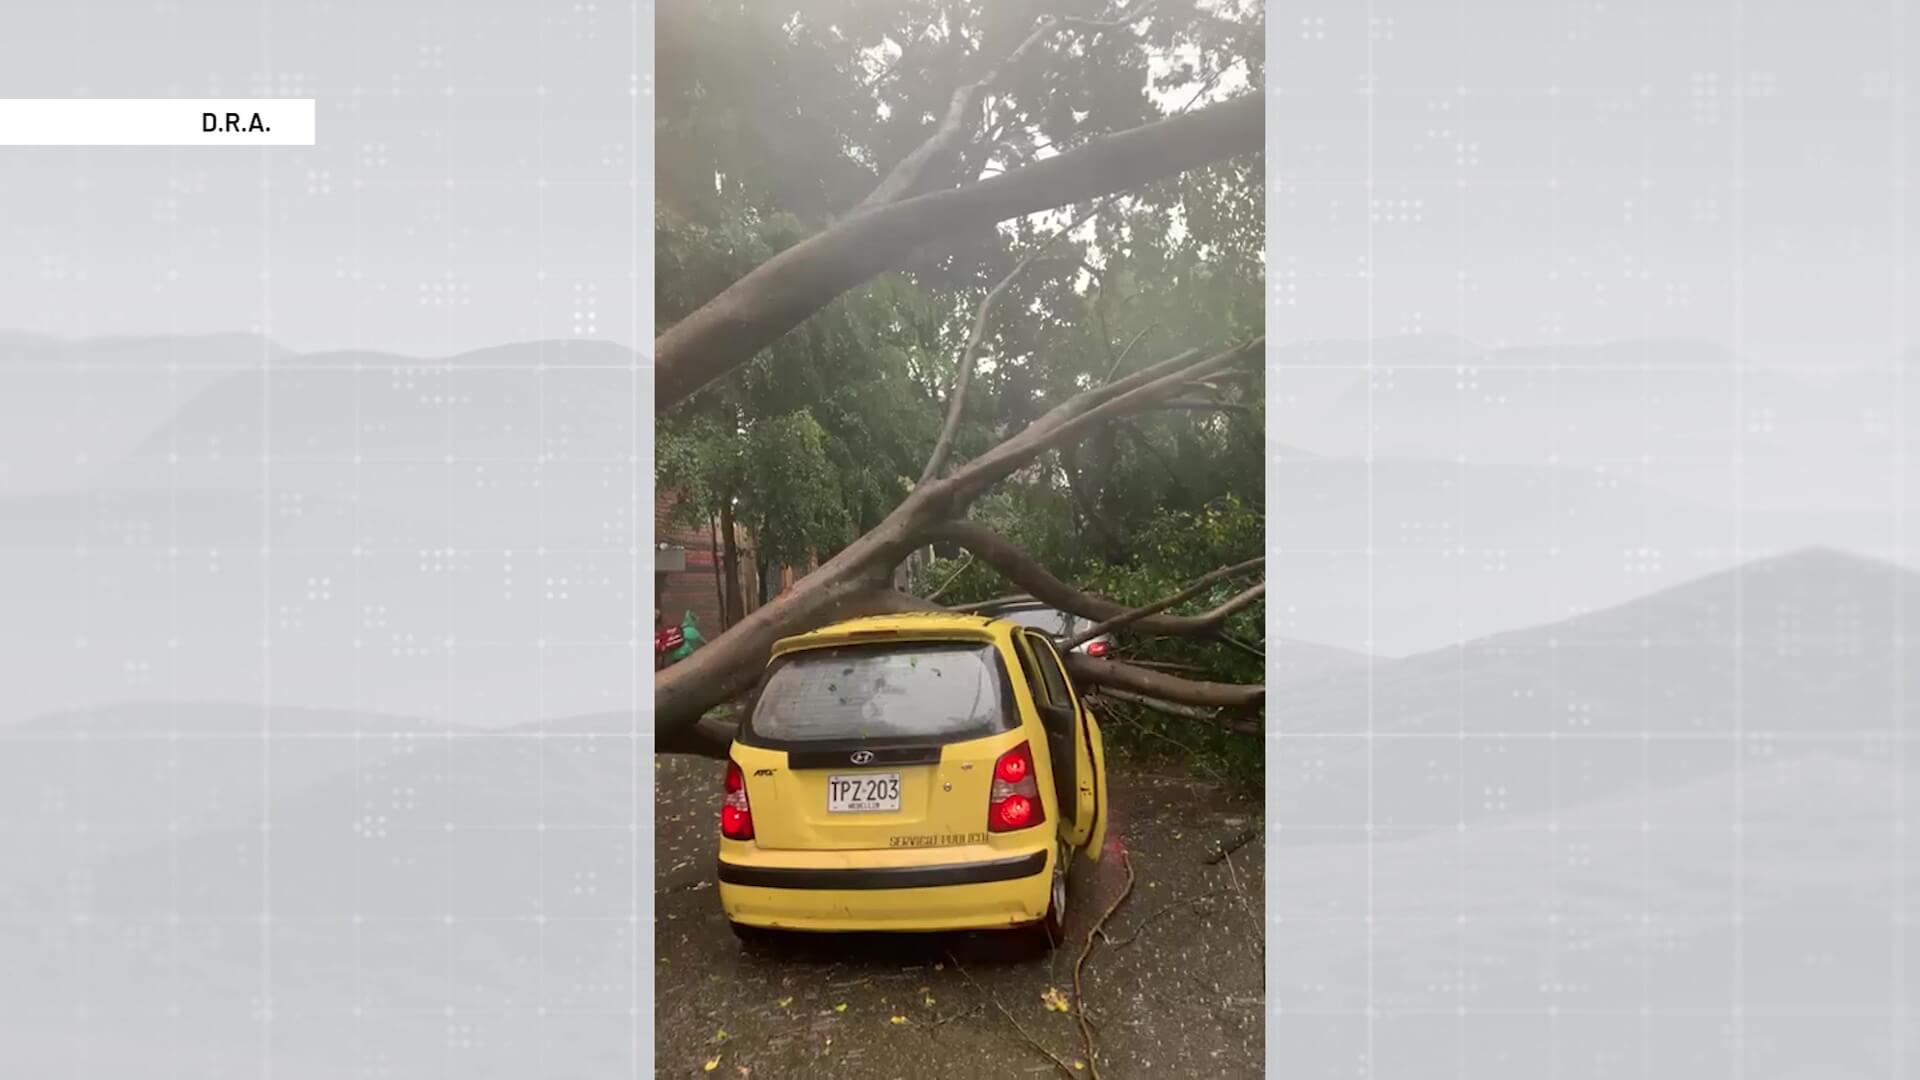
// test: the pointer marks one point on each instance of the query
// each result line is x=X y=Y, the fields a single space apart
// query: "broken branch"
x=1065 y=1069
x=957 y=400
x=1205 y=716
x=951 y=578
x=1163 y=687
x=1239 y=842
x=782 y=292
x=919 y=171
x=1079 y=998
x=1199 y=586
x=1141 y=926
x=1023 y=570
x=1069 y=420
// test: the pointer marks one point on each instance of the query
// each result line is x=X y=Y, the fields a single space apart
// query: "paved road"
x=1182 y=998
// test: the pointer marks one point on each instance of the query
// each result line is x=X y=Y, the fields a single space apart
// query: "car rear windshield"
x=882 y=692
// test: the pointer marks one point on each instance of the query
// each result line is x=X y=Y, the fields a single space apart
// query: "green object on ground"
x=690 y=633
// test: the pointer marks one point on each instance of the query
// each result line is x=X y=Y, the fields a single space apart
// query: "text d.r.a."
x=211 y=122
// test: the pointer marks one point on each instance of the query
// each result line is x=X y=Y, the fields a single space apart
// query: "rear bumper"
x=884 y=877
x=1010 y=889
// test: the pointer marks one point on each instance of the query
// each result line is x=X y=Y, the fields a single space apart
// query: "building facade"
x=687 y=573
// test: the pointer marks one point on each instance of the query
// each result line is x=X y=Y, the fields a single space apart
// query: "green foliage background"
x=773 y=118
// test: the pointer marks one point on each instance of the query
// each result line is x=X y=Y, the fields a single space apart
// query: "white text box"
x=156 y=122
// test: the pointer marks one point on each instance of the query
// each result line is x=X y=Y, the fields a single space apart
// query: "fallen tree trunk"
x=1162 y=686
x=1023 y=570
x=782 y=292
x=857 y=580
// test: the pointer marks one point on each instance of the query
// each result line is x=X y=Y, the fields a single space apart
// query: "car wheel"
x=754 y=938
x=1051 y=931
x=1056 y=921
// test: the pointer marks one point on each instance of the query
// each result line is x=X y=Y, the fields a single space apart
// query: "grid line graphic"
x=319 y=529
x=1588 y=397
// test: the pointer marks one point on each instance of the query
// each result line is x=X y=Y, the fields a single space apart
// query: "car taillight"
x=1014 y=802
x=1096 y=648
x=736 y=817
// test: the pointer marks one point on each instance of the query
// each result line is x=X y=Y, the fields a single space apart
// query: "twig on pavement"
x=1239 y=842
x=1259 y=927
x=1065 y=1069
x=1141 y=926
x=1079 y=999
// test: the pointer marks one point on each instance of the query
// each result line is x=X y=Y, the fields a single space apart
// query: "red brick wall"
x=696 y=588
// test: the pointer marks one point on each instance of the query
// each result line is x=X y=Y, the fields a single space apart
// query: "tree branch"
x=1254 y=651
x=856 y=578
x=957 y=400
x=1163 y=687
x=1025 y=571
x=920 y=170
x=1126 y=352
x=1207 y=406
x=951 y=578
x=1087 y=506
x=1141 y=440
x=854 y=581
x=1134 y=393
x=782 y=292
x=979 y=606
x=1205 y=716
x=845 y=587
x=1200 y=585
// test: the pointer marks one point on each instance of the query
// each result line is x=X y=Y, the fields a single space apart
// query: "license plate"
x=862 y=793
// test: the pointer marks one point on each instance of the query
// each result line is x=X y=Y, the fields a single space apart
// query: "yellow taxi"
x=921 y=772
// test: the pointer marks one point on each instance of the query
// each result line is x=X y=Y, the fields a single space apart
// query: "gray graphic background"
x=1590 y=419
x=323 y=503
x=320 y=508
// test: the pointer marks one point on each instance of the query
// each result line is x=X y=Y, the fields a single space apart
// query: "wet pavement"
x=1174 y=991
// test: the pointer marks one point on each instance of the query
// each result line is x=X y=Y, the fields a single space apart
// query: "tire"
x=754 y=939
x=1051 y=931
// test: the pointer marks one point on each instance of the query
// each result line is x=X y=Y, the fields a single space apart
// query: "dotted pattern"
x=325 y=538
x=1590 y=403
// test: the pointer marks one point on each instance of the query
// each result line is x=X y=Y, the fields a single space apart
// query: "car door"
x=1096 y=841
x=1071 y=736
x=1057 y=724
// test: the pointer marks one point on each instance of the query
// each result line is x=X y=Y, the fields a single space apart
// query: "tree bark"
x=1023 y=570
x=719 y=565
x=1201 y=585
x=963 y=374
x=851 y=583
x=782 y=292
x=1205 y=716
x=856 y=580
x=1163 y=687
x=733 y=604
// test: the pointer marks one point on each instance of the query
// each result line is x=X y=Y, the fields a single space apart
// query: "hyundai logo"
x=861 y=757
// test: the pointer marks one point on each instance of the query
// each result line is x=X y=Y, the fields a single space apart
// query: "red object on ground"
x=667 y=639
